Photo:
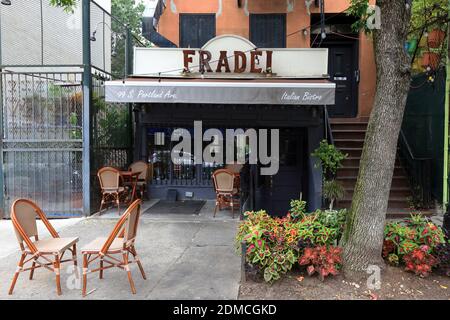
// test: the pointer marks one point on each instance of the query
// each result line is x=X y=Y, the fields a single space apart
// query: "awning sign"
x=286 y=93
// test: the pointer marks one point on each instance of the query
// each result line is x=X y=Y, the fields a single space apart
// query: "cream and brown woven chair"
x=143 y=168
x=110 y=186
x=42 y=253
x=120 y=241
x=227 y=195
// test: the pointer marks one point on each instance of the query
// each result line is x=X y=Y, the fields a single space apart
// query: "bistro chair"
x=143 y=168
x=110 y=186
x=227 y=195
x=45 y=253
x=120 y=241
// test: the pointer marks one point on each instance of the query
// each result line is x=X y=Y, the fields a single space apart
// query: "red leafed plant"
x=321 y=259
x=420 y=261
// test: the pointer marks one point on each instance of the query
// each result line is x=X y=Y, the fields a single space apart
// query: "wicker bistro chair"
x=227 y=195
x=110 y=186
x=120 y=241
x=45 y=253
x=144 y=168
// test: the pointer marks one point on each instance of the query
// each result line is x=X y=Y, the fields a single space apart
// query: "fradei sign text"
x=239 y=59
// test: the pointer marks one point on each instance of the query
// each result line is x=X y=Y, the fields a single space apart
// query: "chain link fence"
x=41 y=57
x=42 y=145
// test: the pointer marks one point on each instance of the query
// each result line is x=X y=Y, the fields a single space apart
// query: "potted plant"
x=329 y=158
x=436 y=38
x=430 y=59
x=332 y=190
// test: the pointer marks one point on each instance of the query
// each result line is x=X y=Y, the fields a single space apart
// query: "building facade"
x=284 y=24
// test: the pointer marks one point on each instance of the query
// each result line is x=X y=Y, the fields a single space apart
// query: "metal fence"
x=421 y=138
x=42 y=145
x=36 y=33
x=111 y=136
x=41 y=95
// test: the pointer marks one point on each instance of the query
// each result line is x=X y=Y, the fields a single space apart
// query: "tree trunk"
x=363 y=236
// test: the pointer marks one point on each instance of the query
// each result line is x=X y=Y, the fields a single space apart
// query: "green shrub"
x=274 y=245
x=413 y=242
x=329 y=157
x=332 y=190
x=298 y=209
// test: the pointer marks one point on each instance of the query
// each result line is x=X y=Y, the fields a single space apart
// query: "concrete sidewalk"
x=185 y=258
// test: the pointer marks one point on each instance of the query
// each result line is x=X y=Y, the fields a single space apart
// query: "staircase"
x=348 y=137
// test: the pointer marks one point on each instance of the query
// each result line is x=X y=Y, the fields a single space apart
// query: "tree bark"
x=363 y=236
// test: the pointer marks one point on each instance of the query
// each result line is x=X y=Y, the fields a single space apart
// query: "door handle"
x=357 y=75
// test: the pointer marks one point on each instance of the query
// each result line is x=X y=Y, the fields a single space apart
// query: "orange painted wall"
x=233 y=20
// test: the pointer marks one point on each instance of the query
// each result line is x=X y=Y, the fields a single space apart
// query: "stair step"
x=352 y=152
x=351 y=161
x=348 y=143
x=397 y=203
x=349 y=134
x=348 y=126
x=352 y=171
x=350 y=120
x=394 y=193
x=354 y=161
x=397 y=181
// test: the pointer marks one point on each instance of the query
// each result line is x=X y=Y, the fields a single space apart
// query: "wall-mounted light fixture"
x=114 y=37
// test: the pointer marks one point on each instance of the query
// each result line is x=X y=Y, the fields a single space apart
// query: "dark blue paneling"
x=196 y=29
x=268 y=30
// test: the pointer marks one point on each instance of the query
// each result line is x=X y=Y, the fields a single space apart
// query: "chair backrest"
x=109 y=178
x=142 y=167
x=23 y=217
x=234 y=167
x=132 y=222
x=126 y=227
x=223 y=180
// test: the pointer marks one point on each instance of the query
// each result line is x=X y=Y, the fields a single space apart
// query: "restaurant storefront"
x=219 y=95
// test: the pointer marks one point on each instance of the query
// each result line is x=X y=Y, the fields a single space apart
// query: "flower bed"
x=418 y=244
x=276 y=245
x=310 y=241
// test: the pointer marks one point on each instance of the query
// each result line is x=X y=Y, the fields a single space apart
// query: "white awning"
x=221 y=91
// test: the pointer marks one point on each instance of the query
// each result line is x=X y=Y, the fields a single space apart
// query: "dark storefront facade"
x=294 y=106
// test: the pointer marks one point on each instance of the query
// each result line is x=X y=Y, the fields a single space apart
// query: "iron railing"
x=328 y=131
x=418 y=170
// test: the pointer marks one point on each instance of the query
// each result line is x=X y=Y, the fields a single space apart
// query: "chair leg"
x=85 y=270
x=75 y=259
x=101 y=268
x=215 y=209
x=57 y=270
x=127 y=269
x=32 y=270
x=16 y=274
x=102 y=203
x=118 y=202
x=138 y=261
